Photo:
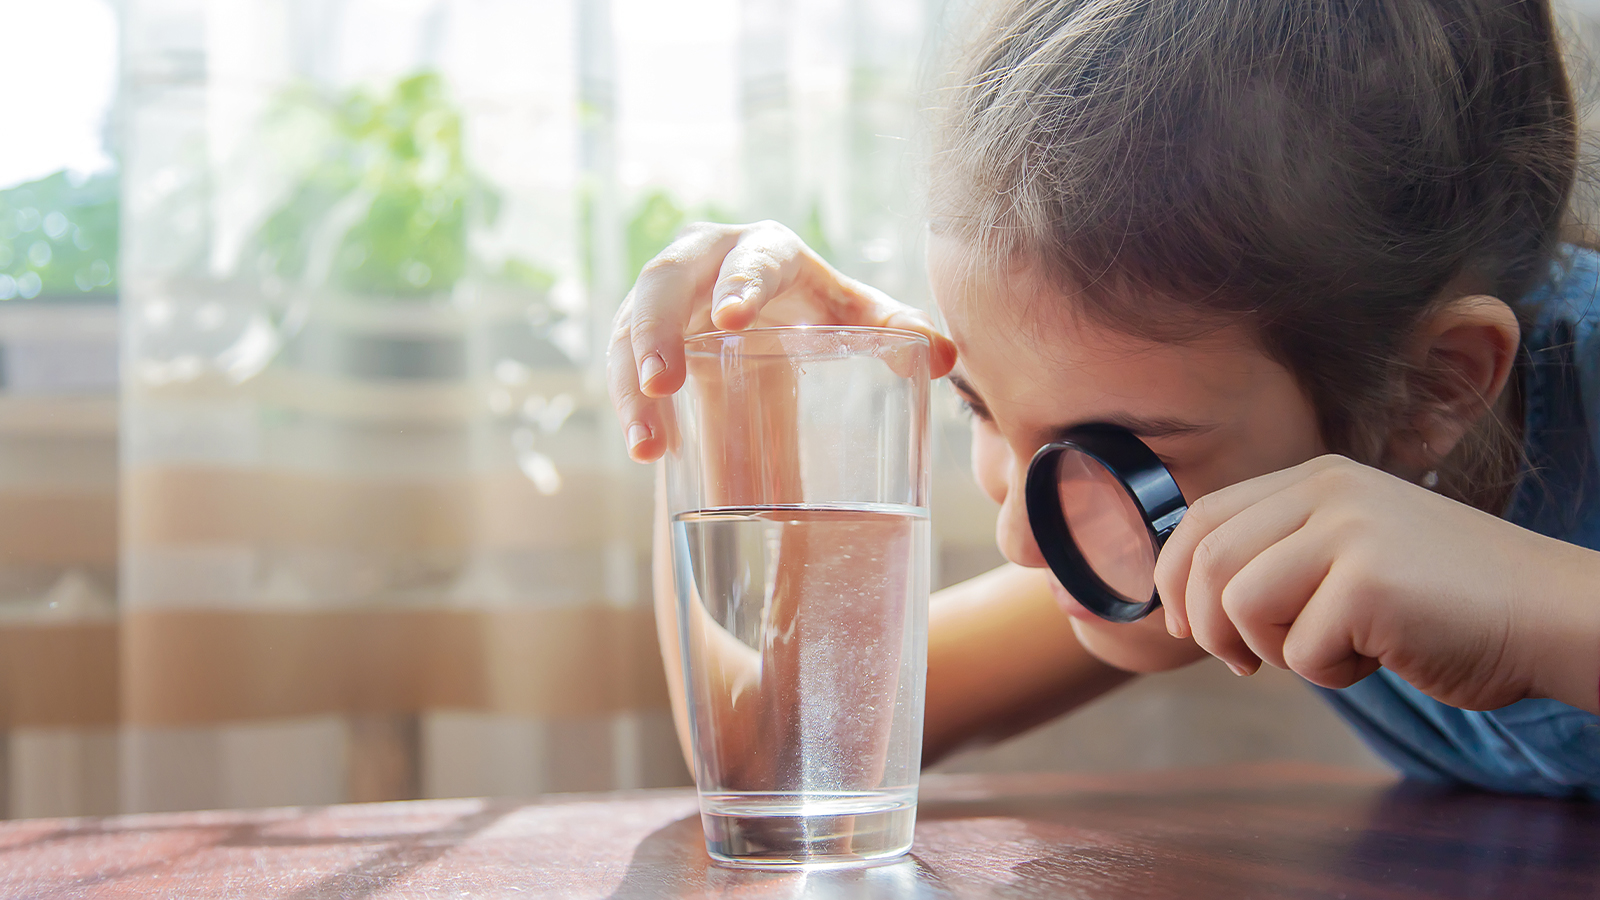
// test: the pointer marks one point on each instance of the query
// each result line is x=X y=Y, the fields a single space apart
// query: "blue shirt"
x=1533 y=746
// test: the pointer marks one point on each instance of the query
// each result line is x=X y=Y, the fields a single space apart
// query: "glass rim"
x=703 y=342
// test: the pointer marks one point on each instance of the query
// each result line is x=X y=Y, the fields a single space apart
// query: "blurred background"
x=309 y=487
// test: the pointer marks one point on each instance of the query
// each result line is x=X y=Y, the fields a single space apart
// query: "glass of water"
x=797 y=481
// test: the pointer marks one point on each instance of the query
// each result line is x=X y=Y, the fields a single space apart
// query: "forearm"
x=1002 y=658
x=666 y=605
x=1566 y=622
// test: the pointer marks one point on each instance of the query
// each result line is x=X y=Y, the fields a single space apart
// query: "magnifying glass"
x=1101 y=505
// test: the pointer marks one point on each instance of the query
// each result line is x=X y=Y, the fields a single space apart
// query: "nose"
x=1012 y=531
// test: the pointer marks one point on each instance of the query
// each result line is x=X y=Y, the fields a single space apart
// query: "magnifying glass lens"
x=1106 y=525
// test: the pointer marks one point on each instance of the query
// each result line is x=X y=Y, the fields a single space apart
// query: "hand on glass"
x=728 y=278
x=1332 y=568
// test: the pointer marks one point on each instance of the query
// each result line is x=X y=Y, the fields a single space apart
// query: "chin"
x=1069 y=604
x=1139 y=647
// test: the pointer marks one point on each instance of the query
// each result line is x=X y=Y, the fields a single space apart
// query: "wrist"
x=1564 y=642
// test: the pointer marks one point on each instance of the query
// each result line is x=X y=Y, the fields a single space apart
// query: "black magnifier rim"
x=1141 y=474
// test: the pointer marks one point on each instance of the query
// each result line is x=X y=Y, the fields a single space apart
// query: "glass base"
x=786 y=830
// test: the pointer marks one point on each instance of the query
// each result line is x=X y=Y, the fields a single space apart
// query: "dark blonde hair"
x=1324 y=171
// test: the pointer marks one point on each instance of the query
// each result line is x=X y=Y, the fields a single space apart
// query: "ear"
x=1462 y=357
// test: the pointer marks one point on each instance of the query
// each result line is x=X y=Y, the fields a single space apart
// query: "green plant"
x=58 y=237
x=385 y=202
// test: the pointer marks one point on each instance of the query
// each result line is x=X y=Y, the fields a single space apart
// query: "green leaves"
x=385 y=205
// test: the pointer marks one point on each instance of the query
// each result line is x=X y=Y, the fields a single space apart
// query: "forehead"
x=1033 y=360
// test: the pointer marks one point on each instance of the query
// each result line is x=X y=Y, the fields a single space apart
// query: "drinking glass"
x=797 y=481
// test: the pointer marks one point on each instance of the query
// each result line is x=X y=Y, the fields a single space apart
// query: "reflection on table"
x=1242 y=832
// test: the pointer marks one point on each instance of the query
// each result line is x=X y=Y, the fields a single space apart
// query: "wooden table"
x=1260 y=831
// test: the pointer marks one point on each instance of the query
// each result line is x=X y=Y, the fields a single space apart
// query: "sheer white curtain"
x=379 y=538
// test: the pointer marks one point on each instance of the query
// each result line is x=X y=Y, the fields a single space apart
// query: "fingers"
x=1264 y=599
x=1207 y=515
x=1218 y=560
x=1323 y=646
x=764 y=264
x=726 y=277
x=663 y=302
x=1243 y=564
x=645 y=359
x=770 y=261
x=641 y=416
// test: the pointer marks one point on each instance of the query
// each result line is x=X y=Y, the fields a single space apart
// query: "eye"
x=1163 y=458
x=968 y=402
x=973 y=412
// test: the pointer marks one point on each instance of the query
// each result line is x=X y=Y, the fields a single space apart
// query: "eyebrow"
x=1142 y=426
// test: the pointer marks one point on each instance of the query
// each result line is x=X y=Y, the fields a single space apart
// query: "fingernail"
x=648 y=370
x=731 y=298
x=1239 y=670
x=1172 y=628
x=637 y=434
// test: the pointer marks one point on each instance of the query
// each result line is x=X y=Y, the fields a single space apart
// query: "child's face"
x=1217 y=411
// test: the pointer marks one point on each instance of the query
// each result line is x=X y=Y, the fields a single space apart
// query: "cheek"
x=990 y=461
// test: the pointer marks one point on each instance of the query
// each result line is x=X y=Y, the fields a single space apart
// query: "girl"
x=1308 y=251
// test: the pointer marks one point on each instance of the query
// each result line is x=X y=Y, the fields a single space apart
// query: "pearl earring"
x=1430 y=478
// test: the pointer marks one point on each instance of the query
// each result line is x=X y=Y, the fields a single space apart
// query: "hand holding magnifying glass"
x=1101 y=506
